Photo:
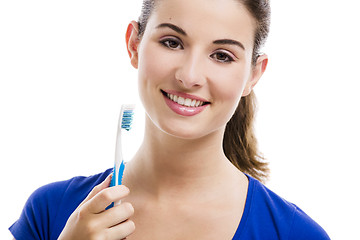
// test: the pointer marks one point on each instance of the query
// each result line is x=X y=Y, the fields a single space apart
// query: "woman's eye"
x=222 y=57
x=171 y=43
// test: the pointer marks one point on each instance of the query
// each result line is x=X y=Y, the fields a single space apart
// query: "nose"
x=190 y=72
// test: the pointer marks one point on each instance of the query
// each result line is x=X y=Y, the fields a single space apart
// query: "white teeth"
x=184 y=101
x=187 y=102
x=181 y=100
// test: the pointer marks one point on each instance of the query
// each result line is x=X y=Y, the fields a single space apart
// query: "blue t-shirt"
x=266 y=215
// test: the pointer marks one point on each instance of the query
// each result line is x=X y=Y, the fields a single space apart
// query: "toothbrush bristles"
x=127 y=119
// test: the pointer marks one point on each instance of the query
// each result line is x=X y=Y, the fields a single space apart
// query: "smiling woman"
x=223 y=45
x=196 y=174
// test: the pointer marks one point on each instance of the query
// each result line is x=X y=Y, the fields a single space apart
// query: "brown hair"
x=239 y=143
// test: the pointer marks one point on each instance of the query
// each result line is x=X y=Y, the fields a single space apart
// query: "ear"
x=132 y=42
x=257 y=72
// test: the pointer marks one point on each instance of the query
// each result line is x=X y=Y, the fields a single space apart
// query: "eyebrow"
x=182 y=32
x=173 y=27
x=229 y=41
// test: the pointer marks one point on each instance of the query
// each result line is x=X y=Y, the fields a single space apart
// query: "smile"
x=184 y=101
x=186 y=104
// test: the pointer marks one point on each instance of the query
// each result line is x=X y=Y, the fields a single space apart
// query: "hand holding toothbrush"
x=90 y=220
x=102 y=215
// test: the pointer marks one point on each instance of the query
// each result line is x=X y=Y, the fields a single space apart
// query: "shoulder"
x=48 y=208
x=59 y=191
x=80 y=185
x=275 y=216
x=303 y=227
x=67 y=194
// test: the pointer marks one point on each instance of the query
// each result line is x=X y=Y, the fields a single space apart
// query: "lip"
x=184 y=110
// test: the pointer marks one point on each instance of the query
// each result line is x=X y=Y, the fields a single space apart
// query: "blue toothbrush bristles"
x=127 y=119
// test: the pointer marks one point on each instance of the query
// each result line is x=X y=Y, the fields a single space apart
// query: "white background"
x=64 y=73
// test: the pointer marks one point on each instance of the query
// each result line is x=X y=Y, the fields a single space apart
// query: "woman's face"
x=194 y=63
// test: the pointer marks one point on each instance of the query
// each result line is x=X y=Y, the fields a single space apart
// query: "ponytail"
x=240 y=144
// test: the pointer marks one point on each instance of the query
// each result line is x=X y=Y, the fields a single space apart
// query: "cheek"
x=152 y=64
x=229 y=84
x=227 y=90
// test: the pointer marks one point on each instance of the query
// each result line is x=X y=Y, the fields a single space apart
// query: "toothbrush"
x=125 y=121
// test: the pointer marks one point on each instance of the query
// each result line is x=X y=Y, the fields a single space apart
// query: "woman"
x=193 y=177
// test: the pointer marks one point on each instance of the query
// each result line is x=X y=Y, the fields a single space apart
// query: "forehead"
x=215 y=19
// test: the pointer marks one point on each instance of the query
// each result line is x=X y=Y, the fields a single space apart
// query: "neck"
x=164 y=163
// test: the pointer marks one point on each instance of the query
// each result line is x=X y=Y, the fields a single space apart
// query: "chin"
x=186 y=132
x=186 y=135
